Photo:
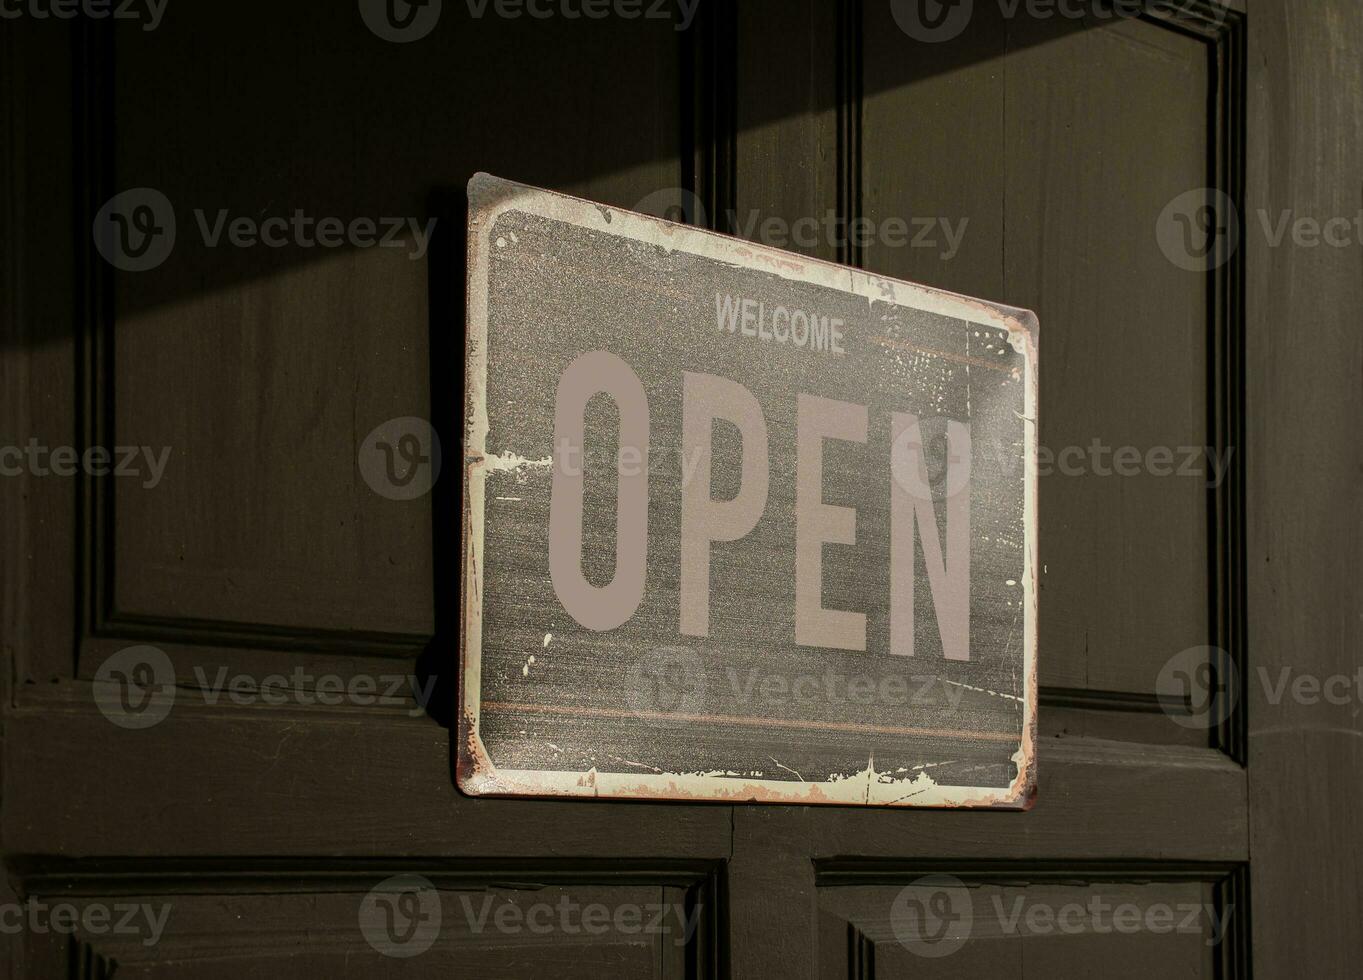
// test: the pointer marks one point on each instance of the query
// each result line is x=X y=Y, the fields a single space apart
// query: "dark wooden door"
x=200 y=646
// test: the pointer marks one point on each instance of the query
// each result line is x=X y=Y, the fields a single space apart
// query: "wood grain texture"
x=1000 y=942
x=788 y=145
x=295 y=354
x=279 y=788
x=933 y=148
x=390 y=805
x=39 y=353
x=1305 y=464
x=497 y=929
x=1056 y=109
x=1083 y=191
x=1059 y=145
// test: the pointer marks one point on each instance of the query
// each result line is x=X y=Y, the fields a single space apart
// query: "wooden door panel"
x=1304 y=401
x=1041 y=142
x=256 y=367
x=1130 y=349
x=933 y=147
x=1029 y=928
x=226 y=784
x=342 y=930
x=263 y=549
x=786 y=131
x=1140 y=810
x=264 y=369
x=1041 y=134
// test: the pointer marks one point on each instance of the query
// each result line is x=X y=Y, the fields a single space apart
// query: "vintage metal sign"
x=739 y=525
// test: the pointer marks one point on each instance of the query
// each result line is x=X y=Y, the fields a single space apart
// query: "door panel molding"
x=1223 y=31
x=94 y=138
x=218 y=898
x=1226 y=882
x=707 y=138
x=851 y=72
x=709 y=112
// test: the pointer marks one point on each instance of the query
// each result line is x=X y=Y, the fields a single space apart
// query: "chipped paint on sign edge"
x=475 y=772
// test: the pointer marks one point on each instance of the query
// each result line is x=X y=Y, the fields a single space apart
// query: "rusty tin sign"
x=739 y=525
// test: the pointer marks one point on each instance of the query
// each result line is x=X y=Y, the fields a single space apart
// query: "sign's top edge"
x=489 y=196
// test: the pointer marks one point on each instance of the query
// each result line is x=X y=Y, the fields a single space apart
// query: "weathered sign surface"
x=739 y=525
